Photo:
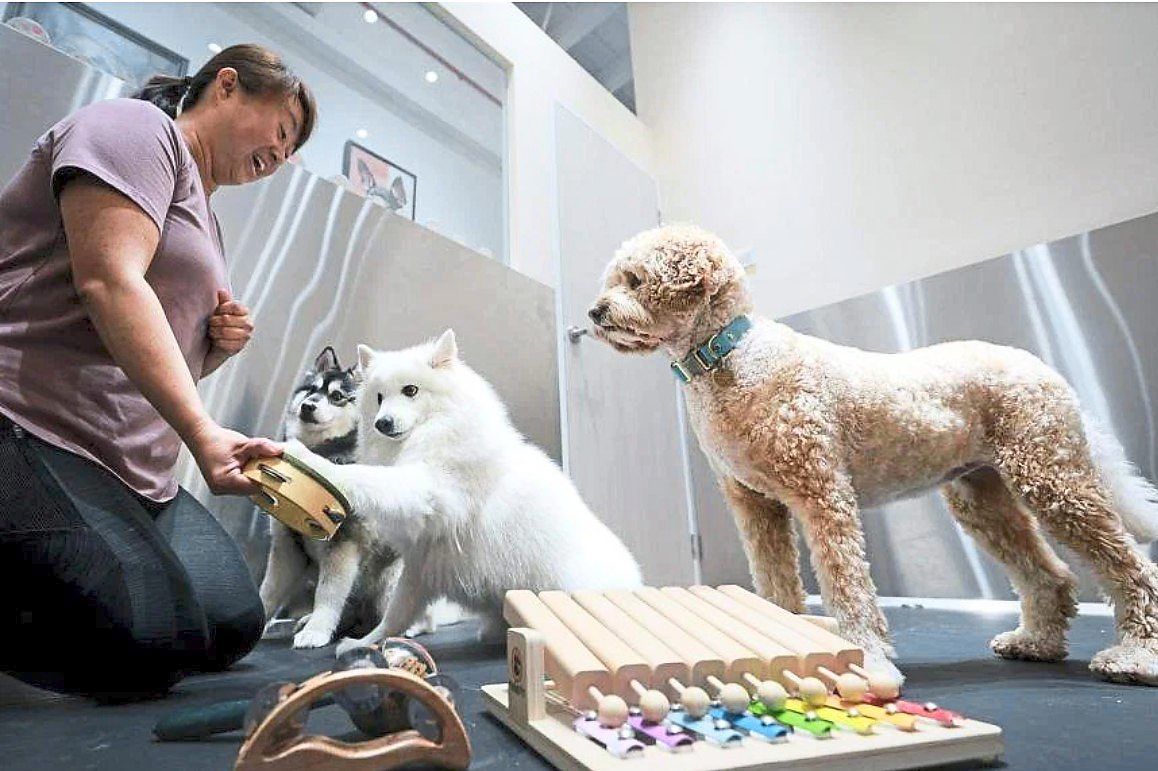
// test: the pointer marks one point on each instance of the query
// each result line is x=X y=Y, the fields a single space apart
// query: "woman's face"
x=249 y=136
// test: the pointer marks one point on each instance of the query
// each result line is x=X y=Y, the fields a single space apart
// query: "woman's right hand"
x=221 y=453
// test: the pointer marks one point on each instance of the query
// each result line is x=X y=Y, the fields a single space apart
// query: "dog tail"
x=1135 y=498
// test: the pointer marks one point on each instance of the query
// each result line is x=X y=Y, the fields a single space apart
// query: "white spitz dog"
x=469 y=505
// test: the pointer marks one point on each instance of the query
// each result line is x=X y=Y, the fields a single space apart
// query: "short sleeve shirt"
x=57 y=379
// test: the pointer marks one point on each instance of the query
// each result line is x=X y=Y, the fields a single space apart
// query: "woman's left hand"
x=230 y=326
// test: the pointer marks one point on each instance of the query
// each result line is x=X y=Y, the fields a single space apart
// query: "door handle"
x=575 y=334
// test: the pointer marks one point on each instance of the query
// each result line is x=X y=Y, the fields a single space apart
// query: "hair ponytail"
x=166 y=92
x=260 y=72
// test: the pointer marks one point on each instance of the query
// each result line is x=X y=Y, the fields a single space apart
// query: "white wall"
x=453 y=145
x=855 y=146
x=541 y=74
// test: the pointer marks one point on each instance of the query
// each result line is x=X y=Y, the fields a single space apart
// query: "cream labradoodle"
x=800 y=428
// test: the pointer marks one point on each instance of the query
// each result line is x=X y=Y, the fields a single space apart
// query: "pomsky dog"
x=471 y=507
x=800 y=430
x=323 y=416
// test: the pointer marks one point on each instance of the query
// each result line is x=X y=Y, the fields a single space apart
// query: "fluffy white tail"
x=1135 y=499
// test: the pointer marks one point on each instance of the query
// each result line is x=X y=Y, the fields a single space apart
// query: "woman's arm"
x=111 y=244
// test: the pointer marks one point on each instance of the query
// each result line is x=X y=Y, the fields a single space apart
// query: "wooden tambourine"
x=297 y=496
x=279 y=742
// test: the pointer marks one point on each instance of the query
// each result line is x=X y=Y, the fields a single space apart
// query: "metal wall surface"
x=319 y=266
x=1085 y=304
x=38 y=87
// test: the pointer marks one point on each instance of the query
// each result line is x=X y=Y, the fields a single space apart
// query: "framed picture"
x=97 y=40
x=375 y=177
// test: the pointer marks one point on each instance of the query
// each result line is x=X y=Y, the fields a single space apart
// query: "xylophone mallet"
x=770 y=693
x=880 y=684
x=812 y=691
x=778 y=658
x=610 y=710
x=732 y=696
x=653 y=705
x=693 y=699
x=849 y=686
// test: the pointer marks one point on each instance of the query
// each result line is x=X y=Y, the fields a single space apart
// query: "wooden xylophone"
x=700 y=678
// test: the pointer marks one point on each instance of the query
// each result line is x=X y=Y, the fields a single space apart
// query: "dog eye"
x=410 y=391
x=379 y=400
x=632 y=280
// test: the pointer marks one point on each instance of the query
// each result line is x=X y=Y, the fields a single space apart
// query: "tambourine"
x=298 y=496
x=393 y=693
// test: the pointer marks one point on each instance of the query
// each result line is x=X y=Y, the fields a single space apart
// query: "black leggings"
x=108 y=594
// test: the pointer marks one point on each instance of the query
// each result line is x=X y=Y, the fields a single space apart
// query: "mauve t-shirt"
x=57 y=379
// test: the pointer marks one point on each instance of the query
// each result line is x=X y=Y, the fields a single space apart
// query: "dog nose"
x=308 y=408
x=385 y=425
x=598 y=312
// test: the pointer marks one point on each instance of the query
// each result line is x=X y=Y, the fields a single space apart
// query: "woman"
x=114 y=300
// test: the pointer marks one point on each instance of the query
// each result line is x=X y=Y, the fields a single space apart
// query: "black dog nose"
x=385 y=425
x=308 y=408
x=598 y=312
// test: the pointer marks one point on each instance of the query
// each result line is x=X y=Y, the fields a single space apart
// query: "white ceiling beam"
x=584 y=19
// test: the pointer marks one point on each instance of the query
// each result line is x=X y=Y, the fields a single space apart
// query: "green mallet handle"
x=199 y=722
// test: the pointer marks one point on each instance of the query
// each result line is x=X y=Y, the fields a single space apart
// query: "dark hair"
x=260 y=72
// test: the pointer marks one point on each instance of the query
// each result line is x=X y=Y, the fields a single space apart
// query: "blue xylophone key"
x=706 y=727
x=765 y=729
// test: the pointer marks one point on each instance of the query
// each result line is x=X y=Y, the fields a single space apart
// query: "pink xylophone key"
x=929 y=710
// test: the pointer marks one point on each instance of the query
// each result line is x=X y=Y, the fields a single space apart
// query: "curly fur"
x=800 y=429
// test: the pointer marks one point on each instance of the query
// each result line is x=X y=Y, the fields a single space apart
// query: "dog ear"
x=445 y=350
x=327 y=360
x=365 y=356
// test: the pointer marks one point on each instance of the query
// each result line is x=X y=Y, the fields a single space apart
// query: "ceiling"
x=596 y=36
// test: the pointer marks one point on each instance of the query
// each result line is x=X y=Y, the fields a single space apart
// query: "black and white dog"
x=322 y=415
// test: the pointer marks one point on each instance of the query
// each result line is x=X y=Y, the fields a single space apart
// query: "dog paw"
x=1023 y=645
x=312 y=638
x=1135 y=663
x=426 y=626
x=884 y=676
x=492 y=631
x=347 y=644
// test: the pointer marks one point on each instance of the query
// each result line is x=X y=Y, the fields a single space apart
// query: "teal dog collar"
x=708 y=356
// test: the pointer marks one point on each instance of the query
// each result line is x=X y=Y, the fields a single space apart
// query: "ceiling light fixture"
x=431 y=76
x=361 y=133
x=370 y=16
x=214 y=48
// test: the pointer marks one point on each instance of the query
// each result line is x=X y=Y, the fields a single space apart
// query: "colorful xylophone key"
x=810 y=724
x=928 y=710
x=620 y=742
x=762 y=728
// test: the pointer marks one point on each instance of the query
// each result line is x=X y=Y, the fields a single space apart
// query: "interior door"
x=622 y=434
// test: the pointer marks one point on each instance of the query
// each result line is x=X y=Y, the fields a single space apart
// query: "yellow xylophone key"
x=880 y=714
x=838 y=717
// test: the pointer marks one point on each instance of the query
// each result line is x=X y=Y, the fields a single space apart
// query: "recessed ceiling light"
x=370 y=16
x=431 y=76
x=361 y=133
x=214 y=48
